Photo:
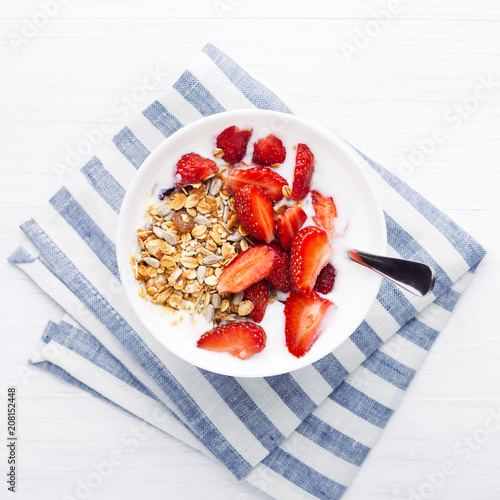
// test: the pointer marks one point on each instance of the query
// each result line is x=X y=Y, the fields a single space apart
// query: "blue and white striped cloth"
x=295 y=436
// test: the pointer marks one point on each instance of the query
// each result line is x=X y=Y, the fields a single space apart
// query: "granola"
x=185 y=245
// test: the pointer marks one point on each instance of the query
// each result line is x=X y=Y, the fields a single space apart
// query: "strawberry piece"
x=303 y=318
x=268 y=151
x=326 y=280
x=255 y=212
x=233 y=141
x=289 y=223
x=247 y=268
x=193 y=168
x=304 y=168
x=311 y=251
x=326 y=212
x=259 y=295
x=279 y=277
x=269 y=181
x=242 y=340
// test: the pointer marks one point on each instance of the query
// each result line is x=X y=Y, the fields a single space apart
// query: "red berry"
x=242 y=340
x=258 y=294
x=279 y=277
x=311 y=251
x=303 y=317
x=304 y=169
x=233 y=141
x=247 y=268
x=193 y=168
x=326 y=212
x=269 y=181
x=268 y=151
x=255 y=212
x=326 y=280
x=289 y=223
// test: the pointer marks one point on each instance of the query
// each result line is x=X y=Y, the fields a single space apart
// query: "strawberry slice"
x=304 y=168
x=242 y=340
x=193 y=168
x=326 y=212
x=269 y=181
x=259 y=295
x=279 y=277
x=326 y=280
x=268 y=151
x=303 y=317
x=311 y=251
x=247 y=268
x=233 y=141
x=255 y=212
x=289 y=223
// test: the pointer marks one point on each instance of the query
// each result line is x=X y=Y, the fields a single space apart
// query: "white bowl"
x=339 y=172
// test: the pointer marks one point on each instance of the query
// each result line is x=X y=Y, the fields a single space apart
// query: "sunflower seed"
x=215 y=185
x=216 y=300
x=165 y=235
x=225 y=216
x=201 y=274
x=212 y=259
x=238 y=297
x=237 y=236
x=200 y=219
x=164 y=210
x=151 y=261
x=209 y=312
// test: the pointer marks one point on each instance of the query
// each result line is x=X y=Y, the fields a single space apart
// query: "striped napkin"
x=299 y=435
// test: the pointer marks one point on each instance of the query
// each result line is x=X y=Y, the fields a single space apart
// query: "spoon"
x=415 y=277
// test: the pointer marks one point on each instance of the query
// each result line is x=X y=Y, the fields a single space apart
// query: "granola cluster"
x=185 y=245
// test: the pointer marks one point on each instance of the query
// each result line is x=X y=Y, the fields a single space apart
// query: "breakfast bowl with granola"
x=232 y=242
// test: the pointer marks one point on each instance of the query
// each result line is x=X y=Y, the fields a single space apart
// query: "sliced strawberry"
x=193 y=168
x=241 y=340
x=279 y=277
x=269 y=181
x=311 y=250
x=289 y=223
x=326 y=212
x=268 y=151
x=303 y=317
x=233 y=141
x=326 y=280
x=258 y=293
x=304 y=168
x=255 y=212
x=247 y=268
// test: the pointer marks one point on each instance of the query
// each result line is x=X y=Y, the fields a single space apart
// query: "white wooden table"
x=387 y=75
